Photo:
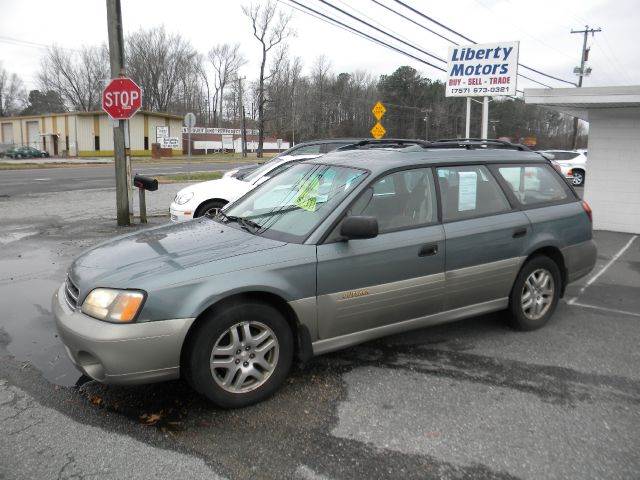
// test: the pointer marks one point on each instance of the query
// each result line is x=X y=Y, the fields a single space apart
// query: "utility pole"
x=244 y=133
x=581 y=71
x=427 y=111
x=116 y=57
x=243 y=136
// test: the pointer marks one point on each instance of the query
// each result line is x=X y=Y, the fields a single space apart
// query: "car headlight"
x=117 y=306
x=183 y=197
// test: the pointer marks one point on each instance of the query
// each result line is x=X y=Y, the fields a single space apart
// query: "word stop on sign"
x=125 y=100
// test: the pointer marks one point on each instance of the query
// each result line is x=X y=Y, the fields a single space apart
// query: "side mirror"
x=359 y=227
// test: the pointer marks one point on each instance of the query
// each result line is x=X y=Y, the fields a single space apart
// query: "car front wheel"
x=535 y=293
x=578 y=178
x=210 y=207
x=240 y=355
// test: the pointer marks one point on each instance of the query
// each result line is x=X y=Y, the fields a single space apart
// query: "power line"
x=429 y=54
x=369 y=37
x=337 y=23
x=409 y=7
x=414 y=22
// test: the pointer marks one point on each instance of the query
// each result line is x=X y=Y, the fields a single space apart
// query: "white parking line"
x=604 y=309
x=603 y=269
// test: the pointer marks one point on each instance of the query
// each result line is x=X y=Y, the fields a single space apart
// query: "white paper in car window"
x=467 y=191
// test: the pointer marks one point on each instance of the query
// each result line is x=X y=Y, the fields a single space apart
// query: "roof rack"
x=473 y=143
x=385 y=143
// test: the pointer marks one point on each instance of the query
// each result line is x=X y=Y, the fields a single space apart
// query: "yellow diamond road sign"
x=378 y=131
x=378 y=111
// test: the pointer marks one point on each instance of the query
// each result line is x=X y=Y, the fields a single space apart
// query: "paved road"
x=472 y=399
x=42 y=180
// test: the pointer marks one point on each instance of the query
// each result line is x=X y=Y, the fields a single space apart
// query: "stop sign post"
x=121 y=98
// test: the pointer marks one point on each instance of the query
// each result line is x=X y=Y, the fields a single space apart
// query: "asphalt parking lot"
x=472 y=399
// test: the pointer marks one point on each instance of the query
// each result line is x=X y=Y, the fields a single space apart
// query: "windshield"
x=289 y=206
x=261 y=170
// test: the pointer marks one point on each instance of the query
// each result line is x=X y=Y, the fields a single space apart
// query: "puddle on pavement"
x=28 y=280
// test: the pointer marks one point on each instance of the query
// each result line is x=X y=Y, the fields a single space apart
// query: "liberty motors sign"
x=486 y=70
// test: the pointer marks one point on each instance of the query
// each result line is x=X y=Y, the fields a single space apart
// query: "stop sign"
x=122 y=98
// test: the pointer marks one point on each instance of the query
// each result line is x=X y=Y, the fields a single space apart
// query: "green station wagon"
x=329 y=253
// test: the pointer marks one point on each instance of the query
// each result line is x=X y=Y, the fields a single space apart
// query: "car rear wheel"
x=211 y=207
x=578 y=178
x=240 y=355
x=535 y=293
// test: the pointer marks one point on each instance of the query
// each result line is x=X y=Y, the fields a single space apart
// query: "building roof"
x=95 y=112
x=380 y=160
x=578 y=101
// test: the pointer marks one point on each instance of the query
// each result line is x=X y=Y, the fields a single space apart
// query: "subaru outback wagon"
x=330 y=253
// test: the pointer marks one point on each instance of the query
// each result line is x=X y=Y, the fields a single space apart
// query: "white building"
x=612 y=185
x=85 y=134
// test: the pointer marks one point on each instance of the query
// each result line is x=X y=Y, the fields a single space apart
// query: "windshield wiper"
x=249 y=225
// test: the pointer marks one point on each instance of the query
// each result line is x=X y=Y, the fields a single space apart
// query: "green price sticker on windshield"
x=307 y=197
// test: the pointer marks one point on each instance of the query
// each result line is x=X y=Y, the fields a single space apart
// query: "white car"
x=209 y=197
x=572 y=163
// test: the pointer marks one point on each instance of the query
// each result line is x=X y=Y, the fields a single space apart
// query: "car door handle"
x=519 y=232
x=428 y=250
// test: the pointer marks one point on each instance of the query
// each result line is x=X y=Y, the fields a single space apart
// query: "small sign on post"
x=162 y=131
x=378 y=110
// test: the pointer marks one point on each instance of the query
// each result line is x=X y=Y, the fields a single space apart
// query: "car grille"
x=71 y=293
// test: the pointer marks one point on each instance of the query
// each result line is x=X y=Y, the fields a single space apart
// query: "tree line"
x=283 y=99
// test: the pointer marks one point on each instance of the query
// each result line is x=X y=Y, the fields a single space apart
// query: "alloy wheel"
x=537 y=294
x=244 y=357
x=577 y=178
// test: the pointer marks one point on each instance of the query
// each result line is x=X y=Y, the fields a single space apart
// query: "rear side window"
x=470 y=191
x=535 y=184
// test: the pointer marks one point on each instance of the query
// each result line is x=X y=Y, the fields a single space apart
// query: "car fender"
x=227 y=189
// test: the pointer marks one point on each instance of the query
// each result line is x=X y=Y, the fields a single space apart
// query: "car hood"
x=131 y=260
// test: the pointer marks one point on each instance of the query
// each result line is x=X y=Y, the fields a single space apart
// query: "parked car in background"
x=573 y=164
x=301 y=151
x=208 y=197
x=330 y=253
x=25 y=152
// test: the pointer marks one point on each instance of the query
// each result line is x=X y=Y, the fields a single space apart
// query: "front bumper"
x=180 y=213
x=120 y=354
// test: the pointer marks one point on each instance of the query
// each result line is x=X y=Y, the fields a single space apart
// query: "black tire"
x=578 y=182
x=204 y=207
x=198 y=372
x=519 y=319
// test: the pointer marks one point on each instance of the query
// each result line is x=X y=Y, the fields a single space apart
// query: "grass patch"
x=193 y=177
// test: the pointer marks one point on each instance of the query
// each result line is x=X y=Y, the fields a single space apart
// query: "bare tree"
x=160 y=62
x=78 y=77
x=226 y=60
x=12 y=93
x=270 y=28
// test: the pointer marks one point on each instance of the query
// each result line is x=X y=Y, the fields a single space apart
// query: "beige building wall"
x=76 y=133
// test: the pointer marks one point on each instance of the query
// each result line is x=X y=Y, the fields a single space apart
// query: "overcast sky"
x=541 y=26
